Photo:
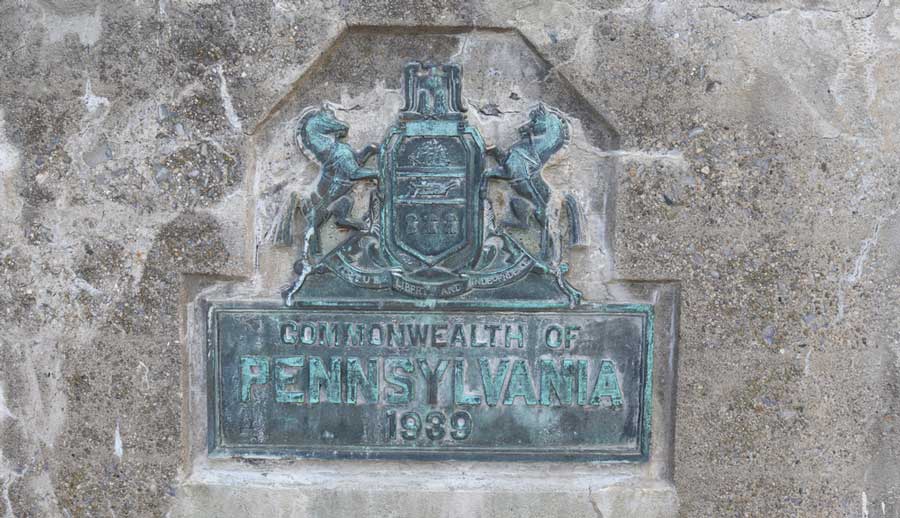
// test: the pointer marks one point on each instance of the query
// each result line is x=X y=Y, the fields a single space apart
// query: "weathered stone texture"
x=756 y=148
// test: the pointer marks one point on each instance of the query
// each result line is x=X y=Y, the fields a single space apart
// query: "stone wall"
x=753 y=155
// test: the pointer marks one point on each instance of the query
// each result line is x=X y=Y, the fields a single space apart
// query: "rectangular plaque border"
x=217 y=450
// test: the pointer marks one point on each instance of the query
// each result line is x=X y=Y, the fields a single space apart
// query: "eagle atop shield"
x=430 y=231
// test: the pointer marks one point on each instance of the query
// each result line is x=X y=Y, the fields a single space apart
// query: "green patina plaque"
x=387 y=383
x=435 y=328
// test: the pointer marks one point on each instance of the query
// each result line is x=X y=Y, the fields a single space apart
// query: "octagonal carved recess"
x=504 y=76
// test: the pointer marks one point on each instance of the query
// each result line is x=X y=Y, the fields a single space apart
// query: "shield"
x=433 y=208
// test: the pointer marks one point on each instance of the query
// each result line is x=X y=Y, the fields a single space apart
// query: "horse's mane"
x=301 y=130
x=565 y=134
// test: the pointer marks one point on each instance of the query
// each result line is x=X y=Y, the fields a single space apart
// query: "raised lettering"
x=287 y=372
x=289 y=332
x=254 y=371
x=432 y=378
x=458 y=336
x=376 y=338
x=571 y=335
x=396 y=335
x=582 y=372
x=319 y=375
x=439 y=335
x=492 y=384
x=520 y=385
x=355 y=335
x=459 y=385
x=308 y=333
x=474 y=337
x=553 y=336
x=403 y=383
x=559 y=382
x=518 y=336
x=493 y=329
x=607 y=385
x=356 y=379
x=328 y=333
x=418 y=334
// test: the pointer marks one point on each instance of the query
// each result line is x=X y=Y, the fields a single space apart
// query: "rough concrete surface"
x=756 y=148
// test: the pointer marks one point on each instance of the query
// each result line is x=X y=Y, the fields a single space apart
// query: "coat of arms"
x=430 y=231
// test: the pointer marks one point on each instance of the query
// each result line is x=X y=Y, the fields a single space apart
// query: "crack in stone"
x=11 y=476
x=869 y=15
x=593 y=502
x=4 y=410
x=233 y=120
x=853 y=277
x=748 y=16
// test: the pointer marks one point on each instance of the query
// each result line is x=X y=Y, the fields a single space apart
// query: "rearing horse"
x=545 y=133
x=319 y=133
